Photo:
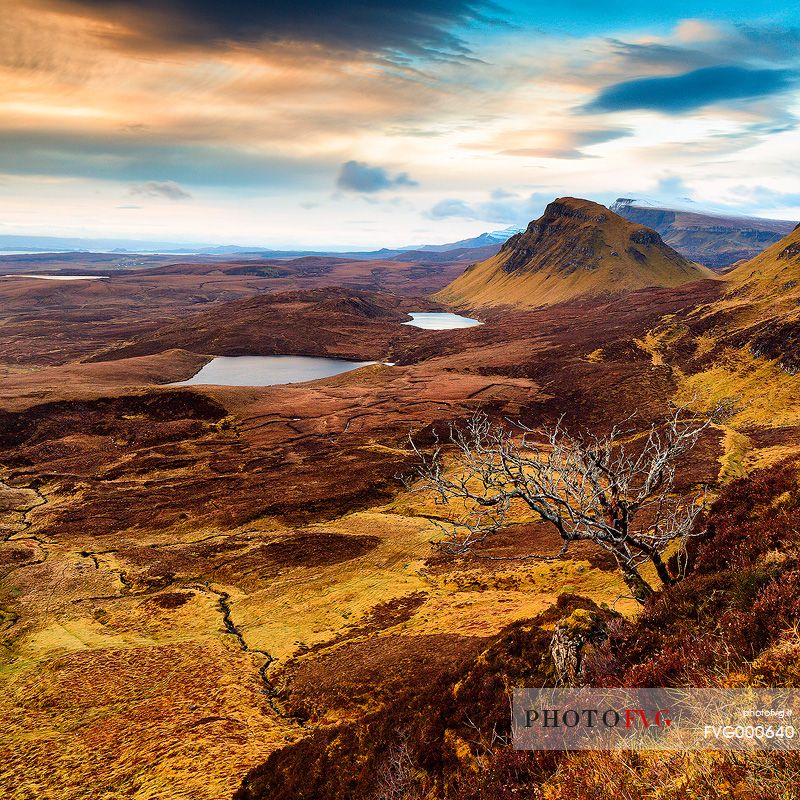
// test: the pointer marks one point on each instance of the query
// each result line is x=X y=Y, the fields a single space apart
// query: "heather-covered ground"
x=198 y=581
x=732 y=621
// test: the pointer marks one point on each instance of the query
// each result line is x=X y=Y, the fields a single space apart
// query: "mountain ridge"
x=712 y=238
x=577 y=248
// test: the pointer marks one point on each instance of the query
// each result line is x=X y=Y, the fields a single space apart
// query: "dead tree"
x=616 y=489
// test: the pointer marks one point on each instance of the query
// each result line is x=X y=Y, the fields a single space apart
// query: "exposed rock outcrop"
x=583 y=627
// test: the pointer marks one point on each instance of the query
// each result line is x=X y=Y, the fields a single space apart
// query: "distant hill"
x=130 y=247
x=468 y=254
x=64 y=244
x=491 y=239
x=716 y=240
x=346 y=323
x=577 y=248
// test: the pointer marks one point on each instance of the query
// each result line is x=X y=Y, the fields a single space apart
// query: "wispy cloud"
x=503 y=207
x=164 y=189
x=153 y=159
x=762 y=197
x=562 y=143
x=356 y=176
x=696 y=44
x=367 y=98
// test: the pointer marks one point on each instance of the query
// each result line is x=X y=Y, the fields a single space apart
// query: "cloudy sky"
x=354 y=123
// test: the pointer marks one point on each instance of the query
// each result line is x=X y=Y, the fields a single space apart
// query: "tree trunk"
x=655 y=557
x=661 y=569
x=639 y=587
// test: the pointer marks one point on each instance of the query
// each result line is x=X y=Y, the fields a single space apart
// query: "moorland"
x=209 y=591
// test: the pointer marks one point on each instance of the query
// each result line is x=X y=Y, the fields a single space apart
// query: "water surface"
x=440 y=321
x=269 y=370
x=58 y=277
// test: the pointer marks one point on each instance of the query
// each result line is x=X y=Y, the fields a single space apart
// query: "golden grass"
x=734 y=459
x=486 y=284
x=651 y=345
x=88 y=656
x=703 y=775
x=766 y=395
x=596 y=356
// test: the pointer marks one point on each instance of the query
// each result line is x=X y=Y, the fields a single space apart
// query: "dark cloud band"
x=413 y=26
x=692 y=90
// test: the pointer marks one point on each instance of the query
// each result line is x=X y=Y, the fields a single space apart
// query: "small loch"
x=440 y=321
x=269 y=370
x=58 y=277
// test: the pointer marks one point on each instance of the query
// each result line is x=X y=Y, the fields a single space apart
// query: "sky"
x=355 y=124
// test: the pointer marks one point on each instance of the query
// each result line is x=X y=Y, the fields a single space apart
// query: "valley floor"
x=194 y=578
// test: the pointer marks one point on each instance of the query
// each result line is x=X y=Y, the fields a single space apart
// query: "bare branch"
x=616 y=490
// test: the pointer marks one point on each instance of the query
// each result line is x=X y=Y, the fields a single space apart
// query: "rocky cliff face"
x=715 y=240
x=576 y=248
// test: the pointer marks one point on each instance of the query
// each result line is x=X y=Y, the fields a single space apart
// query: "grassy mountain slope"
x=764 y=302
x=774 y=274
x=730 y=622
x=577 y=248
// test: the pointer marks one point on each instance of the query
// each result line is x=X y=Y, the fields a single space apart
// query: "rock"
x=570 y=637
